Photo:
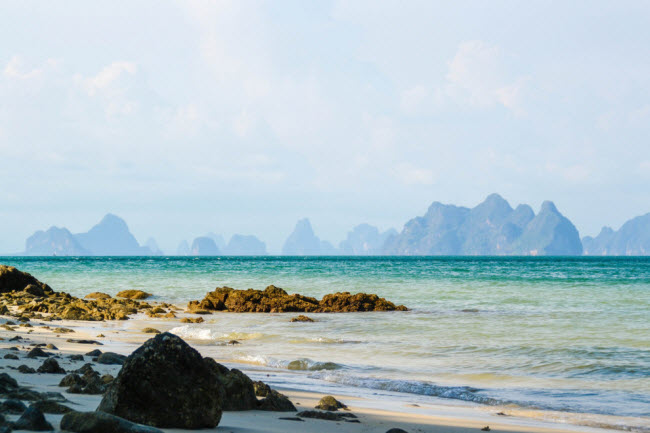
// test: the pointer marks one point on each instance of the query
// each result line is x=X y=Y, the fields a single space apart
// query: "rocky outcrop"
x=204 y=246
x=101 y=422
x=301 y=318
x=33 y=298
x=165 y=372
x=11 y=279
x=365 y=240
x=276 y=300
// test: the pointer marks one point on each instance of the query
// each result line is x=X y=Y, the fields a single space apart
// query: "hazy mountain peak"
x=204 y=246
x=303 y=242
x=548 y=206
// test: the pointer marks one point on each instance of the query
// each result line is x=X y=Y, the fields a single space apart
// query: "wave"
x=301 y=364
x=464 y=393
x=202 y=333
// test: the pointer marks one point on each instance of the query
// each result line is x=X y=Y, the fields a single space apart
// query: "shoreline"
x=377 y=411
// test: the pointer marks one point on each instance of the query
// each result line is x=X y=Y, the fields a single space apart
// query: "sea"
x=567 y=336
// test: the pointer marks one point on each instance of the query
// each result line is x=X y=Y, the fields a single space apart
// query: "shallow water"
x=565 y=334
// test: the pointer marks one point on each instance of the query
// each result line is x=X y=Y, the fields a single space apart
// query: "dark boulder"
x=12 y=279
x=101 y=422
x=237 y=391
x=26 y=369
x=276 y=402
x=50 y=366
x=7 y=383
x=396 y=430
x=37 y=352
x=10 y=356
x=111 y=358
x=166 y=383
x=93 y=353
x=53 y=407
x=76 y=357
x=34 y=420
x=13 y=406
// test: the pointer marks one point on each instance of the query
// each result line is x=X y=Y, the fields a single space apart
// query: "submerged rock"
x=101 y=422
x=276 y=300
x=302 y=318
x=12 y=406
x=166 y=383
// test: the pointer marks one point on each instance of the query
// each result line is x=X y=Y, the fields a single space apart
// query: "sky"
x=244 y=116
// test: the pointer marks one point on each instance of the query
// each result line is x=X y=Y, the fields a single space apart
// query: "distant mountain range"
x=491 y=228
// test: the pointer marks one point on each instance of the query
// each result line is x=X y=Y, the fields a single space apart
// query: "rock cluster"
x=166 y=372
x=33 y=299
x=85 y=381
x=276 y=300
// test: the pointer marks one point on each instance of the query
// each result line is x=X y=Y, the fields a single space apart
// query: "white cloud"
x=412 y=175
x=107 y=76
x=477 y=77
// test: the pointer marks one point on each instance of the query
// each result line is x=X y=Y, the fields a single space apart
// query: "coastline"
x=377 y=411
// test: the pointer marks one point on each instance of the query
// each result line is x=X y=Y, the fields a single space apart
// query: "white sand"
x=374 y=415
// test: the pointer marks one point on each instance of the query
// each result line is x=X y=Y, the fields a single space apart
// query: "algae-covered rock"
x=134 y=294
x=276 y=300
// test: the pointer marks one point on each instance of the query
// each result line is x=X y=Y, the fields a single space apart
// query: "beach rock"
x=71 y=379
x=192 y=320
x=237 y=390
x=51 y=346
x=12 y=406
x=111 y=358
x=50 y=366
x=276 y=402
x=302 y=318
x=101 y=422
x=328 y=416
x=76 y=357
x=52 y=407
x=72 y=340
x=261 y=389
x=93 y=353
x=7 y=383
x=133 y=294
x=37 y=352
x=10 y=356
x=164 y=373
x=151 y=331
x=34 y=420
x=97 y=295
x=330 y=403
x=276 y=300
x=26 y=369
x=396 y=430
x=12 y=279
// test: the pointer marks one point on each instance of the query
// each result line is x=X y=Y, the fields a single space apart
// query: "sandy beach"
x=373 y=415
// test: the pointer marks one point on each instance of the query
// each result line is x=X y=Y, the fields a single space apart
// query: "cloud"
x=111 y=88
x=411 y=175
x=477 y=78
x=107 y=76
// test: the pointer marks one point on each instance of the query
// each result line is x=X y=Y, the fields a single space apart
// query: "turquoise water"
x=567 y=334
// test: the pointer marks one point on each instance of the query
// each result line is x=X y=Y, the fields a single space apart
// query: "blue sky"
x=244 y=116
